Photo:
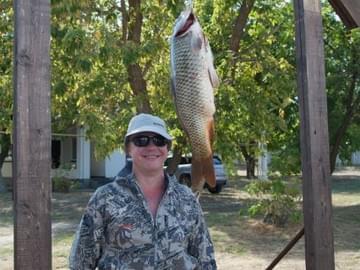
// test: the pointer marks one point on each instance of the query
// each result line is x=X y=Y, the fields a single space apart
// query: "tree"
x=257 y=76
x=110 y=60
x=6 y=39
x=343 y=87
x=109 y=65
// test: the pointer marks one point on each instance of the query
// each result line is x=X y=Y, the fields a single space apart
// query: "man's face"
x=148 y=151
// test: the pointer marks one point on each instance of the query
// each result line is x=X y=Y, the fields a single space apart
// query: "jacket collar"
x=129 y=181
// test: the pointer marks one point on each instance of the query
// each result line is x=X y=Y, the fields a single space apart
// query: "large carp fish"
x=193 y=79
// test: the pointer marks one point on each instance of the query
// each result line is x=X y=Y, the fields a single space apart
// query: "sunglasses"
x=144 y=140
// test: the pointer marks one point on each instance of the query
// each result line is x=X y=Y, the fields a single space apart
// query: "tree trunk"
x=249 y=157
x=5 y=144
x=352 y=105
x=250 y=168
x=172 y=166
x=131 y=31
x=334 y=148
x=238 y=31
x=234 y=46
x=239 y=25
x=138 y=86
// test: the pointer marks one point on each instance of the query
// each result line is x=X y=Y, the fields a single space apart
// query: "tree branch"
x=135 y=73
x=240 y=23
x=125 y=20
x=351 y=104
x=136 y=25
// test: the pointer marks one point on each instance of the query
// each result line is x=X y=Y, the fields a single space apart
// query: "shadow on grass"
x=68 y=207
x=346 y=184
x=346 y=224
x=237 y=234
x=251 y=236
x=6 y=209
x=66 y=211
x=231 y=232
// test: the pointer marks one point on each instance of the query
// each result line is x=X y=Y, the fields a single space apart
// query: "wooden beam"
x=348 y=11
x=32 y=135
x=317 y=208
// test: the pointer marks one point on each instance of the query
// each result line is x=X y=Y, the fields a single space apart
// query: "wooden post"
x=319 y=246
x=348 y=11
x=32 y=135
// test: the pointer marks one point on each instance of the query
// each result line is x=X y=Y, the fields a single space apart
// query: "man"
x=144 y=219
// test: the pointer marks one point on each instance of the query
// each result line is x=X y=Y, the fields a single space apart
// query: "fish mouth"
x=188 y=23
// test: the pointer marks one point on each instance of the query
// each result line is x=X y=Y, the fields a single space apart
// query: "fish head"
x=188 y=25
x=184 y=23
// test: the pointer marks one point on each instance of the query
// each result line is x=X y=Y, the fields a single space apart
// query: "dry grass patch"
x=240 y=242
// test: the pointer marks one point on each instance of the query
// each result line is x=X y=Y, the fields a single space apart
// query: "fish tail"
x=208 y=164
x=202 y=170
x=197 y=178
x=202 y=167
x=211 y=132
x=209 y=172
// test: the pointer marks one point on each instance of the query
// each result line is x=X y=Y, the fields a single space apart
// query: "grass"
x=240 y=242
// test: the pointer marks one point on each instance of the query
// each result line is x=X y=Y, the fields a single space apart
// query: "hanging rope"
x=189 y=4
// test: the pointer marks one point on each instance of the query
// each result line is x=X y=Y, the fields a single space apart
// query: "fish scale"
x=192 y=100
x=193 y=80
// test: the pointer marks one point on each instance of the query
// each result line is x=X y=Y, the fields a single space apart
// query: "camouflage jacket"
x=118 y=231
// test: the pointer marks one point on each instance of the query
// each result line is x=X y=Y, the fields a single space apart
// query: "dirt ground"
x=240 y=242
x=243 y=243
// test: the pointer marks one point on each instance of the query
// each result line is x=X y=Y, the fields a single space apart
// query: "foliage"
x=6 y=39
x=285 y=160
x=94 y=53
x=343 y=86
x=277 y=201
x=64 y=185
x=258 y=82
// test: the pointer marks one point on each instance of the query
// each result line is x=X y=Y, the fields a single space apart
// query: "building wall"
x=76 y=158
x=355 y=158
x=97 y=166
x=7 y=168
x=83 y=154
x=114 y=163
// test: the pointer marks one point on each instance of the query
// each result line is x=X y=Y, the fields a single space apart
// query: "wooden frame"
x=32 y=135
x=31 y=152
x=348 y=11
x=317 y=207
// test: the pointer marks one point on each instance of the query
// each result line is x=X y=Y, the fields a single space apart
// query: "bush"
x=277 y=201
x=61 y=184
x=286 y=162
x=6 y=184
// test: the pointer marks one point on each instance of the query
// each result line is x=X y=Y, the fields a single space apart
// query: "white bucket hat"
x=147 y=123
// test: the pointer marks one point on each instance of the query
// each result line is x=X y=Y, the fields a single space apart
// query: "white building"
x=355 y=158
x=73 y=157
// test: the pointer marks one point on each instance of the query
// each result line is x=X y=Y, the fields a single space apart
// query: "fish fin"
x=209 y=171
x=211 y=132
x=172 y=57
x=197 y=178
x=196 y=43
x=172 y=87
x=208 y=166
x=202 y=170
x=214 y=79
